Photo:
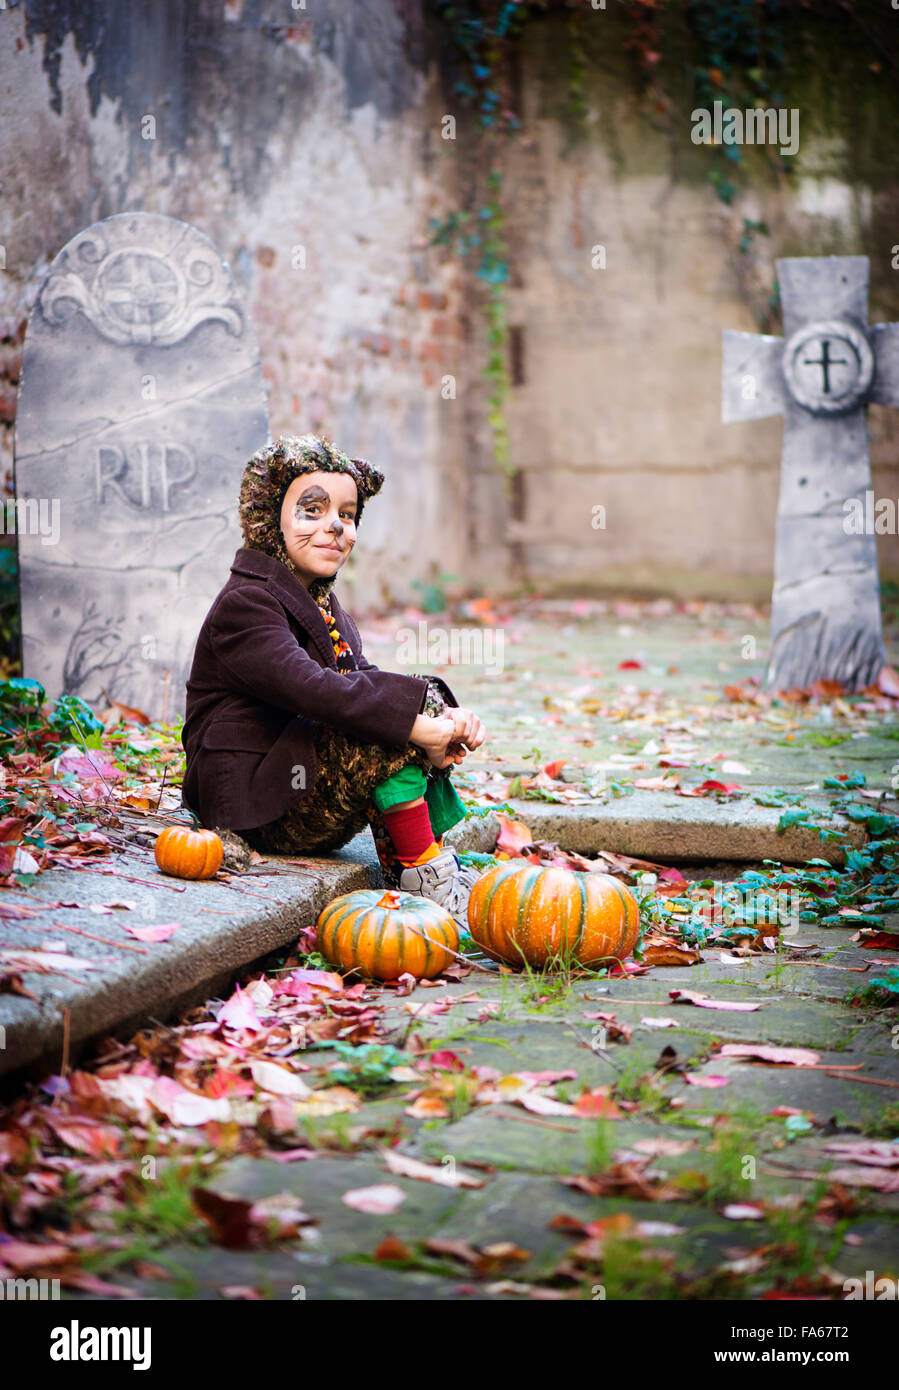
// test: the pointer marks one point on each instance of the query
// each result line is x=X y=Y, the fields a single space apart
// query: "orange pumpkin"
x=387 y=934
x=186 y=853
x=520 y=911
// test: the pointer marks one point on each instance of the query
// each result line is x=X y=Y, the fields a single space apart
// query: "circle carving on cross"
x=828 y=366
x=140 y=290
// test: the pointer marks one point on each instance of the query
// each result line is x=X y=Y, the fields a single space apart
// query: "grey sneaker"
x=445 y=881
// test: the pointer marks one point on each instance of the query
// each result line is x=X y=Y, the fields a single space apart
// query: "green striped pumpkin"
x=386 y=935
x=521 y=911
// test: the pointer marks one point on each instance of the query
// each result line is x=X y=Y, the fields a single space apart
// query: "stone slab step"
x=664 y=827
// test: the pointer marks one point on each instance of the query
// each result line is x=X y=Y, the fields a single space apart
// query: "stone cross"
x=825 y=607
x=141 y=399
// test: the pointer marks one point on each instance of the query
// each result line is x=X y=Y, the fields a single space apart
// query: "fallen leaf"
x=161 y=932
x=444 y=1175
x=658 y=1148
x=663 y=953
x=888 y=682
x=427 y=1106
x=392 y=1248
x=378 y=1200
x=879 y=1154
x=49 y=961
x=709 y=1082
x=787 y=1056
x=543 y=1105
x=742 y=1211
x=513 y=834
x=239 y=1013
x=279 y=1081
x=185 y=1107
x=597 y=1104
x=705 y=1001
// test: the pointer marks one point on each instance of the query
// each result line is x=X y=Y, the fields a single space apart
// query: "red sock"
x=411 y=833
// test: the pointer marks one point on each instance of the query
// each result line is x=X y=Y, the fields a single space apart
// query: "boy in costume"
x=294 y=740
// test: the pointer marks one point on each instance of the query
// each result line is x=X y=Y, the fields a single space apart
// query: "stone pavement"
x=520 y=1157
x=677 y=1164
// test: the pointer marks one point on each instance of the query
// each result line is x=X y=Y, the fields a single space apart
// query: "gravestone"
x=825 y=607
x=141 y=399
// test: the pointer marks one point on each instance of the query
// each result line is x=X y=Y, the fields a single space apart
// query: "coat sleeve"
x=260 y=656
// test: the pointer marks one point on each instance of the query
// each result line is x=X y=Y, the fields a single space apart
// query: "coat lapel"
x=295 y=597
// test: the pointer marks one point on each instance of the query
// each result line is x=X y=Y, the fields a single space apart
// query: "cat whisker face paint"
x=318 y=522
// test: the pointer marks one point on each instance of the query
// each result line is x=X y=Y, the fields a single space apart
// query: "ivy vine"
x=685 y=54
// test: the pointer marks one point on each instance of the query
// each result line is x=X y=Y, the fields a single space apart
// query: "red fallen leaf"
x=888 y=682
x=880 y=941
x=710 y=785
x=826 y=689
x=85 y=1136
x=116 y=712
x=783 y=1112
x=239 y=1013
x=597 y=1104
x=227 y=1083
x=617 y=968
x=553 y=769
x=11 y=830
x=513 y=835
x=709 y=1082
x=445 y=1060
x=631 y=665
x=89 y=766
x=229 y=1217
x=392 y=1248
x=11 y=983
x=403 y=984
x=674 y=762
x=319 y=979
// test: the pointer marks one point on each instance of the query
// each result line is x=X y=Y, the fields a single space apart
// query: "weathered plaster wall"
x=275 y=129
x=620 y=402
x=319 y=128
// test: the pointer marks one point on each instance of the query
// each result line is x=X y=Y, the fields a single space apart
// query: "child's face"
x=318 y=522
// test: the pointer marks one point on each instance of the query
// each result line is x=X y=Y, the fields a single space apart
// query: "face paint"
x=307 y=532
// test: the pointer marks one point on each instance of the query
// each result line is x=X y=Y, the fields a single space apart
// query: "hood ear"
x=371 y=479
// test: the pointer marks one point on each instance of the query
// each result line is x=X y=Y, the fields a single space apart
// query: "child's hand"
x=468 y=729
x=435 y=735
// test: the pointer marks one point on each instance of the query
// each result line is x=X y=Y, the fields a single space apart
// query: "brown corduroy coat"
x=263 y=675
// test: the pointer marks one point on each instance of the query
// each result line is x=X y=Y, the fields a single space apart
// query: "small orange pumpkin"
x=186 y=853
x=387 y=934
x=519 y=910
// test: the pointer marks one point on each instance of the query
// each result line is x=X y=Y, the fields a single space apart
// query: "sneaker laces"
x=446 y=881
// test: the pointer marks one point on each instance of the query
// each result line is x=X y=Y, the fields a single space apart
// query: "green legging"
x=445 y=807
